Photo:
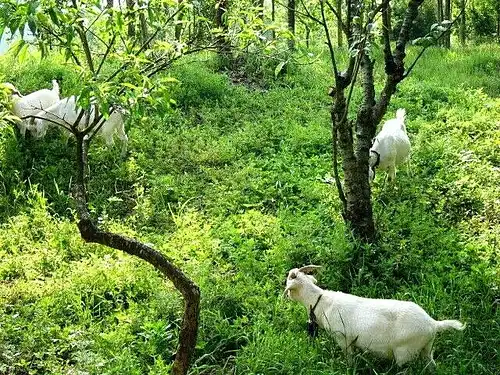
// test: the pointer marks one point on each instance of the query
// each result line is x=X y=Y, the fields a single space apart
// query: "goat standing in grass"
x=65 y=113
x=399 y=330
x=391 y=147
x=24 y=106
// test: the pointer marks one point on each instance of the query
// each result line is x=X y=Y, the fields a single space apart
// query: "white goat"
x=65 y=113
x=388 y=328
x=31 y=104
x=391 y=147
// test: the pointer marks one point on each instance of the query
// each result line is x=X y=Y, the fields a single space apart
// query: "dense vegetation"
x=229 y=183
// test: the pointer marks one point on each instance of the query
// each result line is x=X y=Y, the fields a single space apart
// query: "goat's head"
x=11 y=89
x=298 y=278
x=373 y=162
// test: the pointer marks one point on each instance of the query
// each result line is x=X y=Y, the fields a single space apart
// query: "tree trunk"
x=447 y=16
x=109 y=4
x=462 y=22
x=273 y=18
x=131 y=23
x=223 y=47
x=440 y=17
x=143 y=23
x=260 y=5
x=291 y=24
x=189 y=290
x=339 y=24
x=498 y=22
x=178 y=26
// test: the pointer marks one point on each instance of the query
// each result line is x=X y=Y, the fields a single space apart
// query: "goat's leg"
x=124 y=139
x=391 y=172
x=403 y=354
x=22 y=129
x=427 y=355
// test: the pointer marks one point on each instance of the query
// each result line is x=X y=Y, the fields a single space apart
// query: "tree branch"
x=189 y=290
x=408 y=71
x=329 y=43
x=395 y=74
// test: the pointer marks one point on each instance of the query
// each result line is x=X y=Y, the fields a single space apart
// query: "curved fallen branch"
x=90 y=232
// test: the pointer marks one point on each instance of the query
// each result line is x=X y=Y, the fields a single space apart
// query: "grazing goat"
x=391 y=147
x=65 y=113
x=31 y=104
x=388 y=328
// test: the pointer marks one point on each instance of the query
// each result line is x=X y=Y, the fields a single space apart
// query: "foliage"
x=229 y=184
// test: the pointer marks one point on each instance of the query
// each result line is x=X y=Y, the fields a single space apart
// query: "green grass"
x=228 y=184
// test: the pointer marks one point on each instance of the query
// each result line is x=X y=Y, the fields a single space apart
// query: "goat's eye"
x=292 y=276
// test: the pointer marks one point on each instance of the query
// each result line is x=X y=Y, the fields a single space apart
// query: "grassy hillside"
x=228 y=183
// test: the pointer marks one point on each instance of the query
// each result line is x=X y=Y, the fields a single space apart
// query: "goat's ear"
x=309 y=268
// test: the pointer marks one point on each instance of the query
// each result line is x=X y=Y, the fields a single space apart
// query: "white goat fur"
x=391 y=147
x=65 y=113
x=31 y=104
x=388 y=328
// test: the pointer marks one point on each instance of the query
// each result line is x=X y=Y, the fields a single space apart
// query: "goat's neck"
x=308 y=295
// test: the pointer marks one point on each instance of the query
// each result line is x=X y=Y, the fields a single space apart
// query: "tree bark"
x=447 y=16
x=339 y=24
x=291 y=24
x=178 y=26
x=223 y=46
x=440 y=17
x=463 y=33
x=260 y=4
x=498 y=21
x=143 y=23
x=131 y=25
x=273 y=18
x=92 y=234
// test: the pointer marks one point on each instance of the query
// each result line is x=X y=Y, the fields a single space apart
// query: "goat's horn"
x=309 y=268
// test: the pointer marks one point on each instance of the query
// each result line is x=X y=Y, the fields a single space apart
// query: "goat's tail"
x=400 y=114
x=55 y=87
x=443 y=325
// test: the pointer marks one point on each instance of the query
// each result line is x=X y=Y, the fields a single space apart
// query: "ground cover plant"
x=229 y=183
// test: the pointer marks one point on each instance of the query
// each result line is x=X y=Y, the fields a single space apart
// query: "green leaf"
x=32 y=25
x=278 y=68
x=53 y=16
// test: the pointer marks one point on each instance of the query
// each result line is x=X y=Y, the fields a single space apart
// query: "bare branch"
x=396 y=74
x=388 y=57
x=108 y=50
x=329 y=43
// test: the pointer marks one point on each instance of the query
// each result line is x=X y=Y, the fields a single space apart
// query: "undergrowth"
x=229 y=184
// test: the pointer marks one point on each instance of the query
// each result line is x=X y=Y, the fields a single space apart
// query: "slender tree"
x=221 y=24
x=273 y=17
x=291 y=23
x=462 y=30
x=339 y=24
x=351 y=137
x=447 y=16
